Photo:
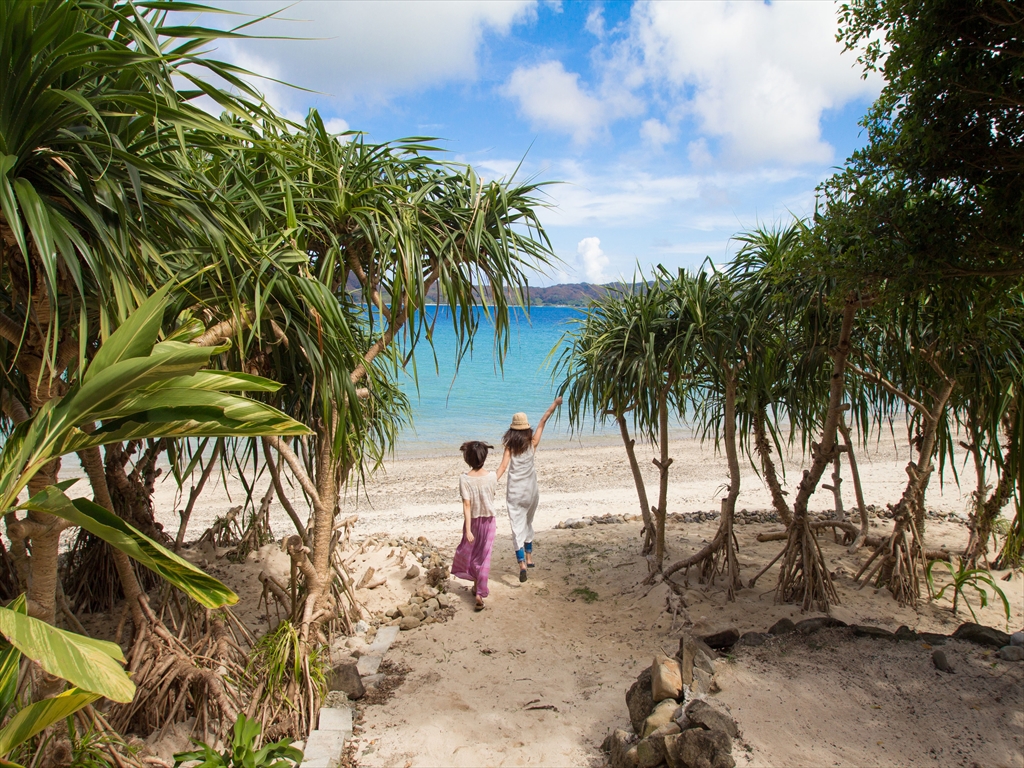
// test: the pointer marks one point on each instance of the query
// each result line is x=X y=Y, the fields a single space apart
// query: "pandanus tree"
x=627 y=360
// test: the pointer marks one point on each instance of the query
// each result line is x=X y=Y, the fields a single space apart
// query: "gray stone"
x=782 y=627
x=705 y=715
x=666 y=678
x=432 y=603
x=1012 y=653
x=702 y=681
x=369 y=664
x=639 y=700
x=360 y=627
x=444 y=600
x=416 y=600
x=370 y=681
x=1017 y=638
x=861 y=630
x=752 y=639
x=651 y=751
x=335 y=719
x=429 y=611
x=345 y=677
x=932 y=638
x=382 y=642
x=724 y=640
x=323 y=749
x=701 y=661
x=812 y=625
x=391 y=613
x=409 y=622
x=697 y=748
x=621 y=750
x=941 y=662
x=662 y=715
x=982 y=635
x=408 y=610
x=413 y=572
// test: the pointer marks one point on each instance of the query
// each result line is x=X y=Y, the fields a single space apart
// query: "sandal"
x=531 y=565
x=478 y=607
x=522 y=575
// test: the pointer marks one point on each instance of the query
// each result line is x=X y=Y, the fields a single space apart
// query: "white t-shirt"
x=480 y=493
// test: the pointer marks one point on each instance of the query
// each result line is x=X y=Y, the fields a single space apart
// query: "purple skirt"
x=472 y=559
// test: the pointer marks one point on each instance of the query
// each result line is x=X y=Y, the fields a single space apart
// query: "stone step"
x=336 y=719
x=324 y=749
x=382 y=642
x=368 y=665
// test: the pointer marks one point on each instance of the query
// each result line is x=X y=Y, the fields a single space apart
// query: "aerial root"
x=804 y=577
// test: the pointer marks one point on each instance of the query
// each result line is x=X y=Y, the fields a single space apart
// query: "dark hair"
x=518 y=440
x=475 y=453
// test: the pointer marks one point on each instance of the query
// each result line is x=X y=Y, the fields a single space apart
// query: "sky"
x=669 y=127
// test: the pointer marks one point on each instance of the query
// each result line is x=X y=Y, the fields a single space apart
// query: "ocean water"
x=477 y=401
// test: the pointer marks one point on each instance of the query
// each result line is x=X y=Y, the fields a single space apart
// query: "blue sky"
x=671 y=125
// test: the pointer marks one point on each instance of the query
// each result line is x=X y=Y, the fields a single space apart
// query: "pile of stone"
x=422 y=608
x=583 y=522
x=426 y=553
x=673 y=721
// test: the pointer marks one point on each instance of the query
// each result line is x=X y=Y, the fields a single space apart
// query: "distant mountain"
x=564 y=295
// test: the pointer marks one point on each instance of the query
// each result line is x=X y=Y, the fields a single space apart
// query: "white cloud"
x=698 y=153
x=550 y=97
x=592 y=260
x=655 y=133
x=595 y=22
x=336 y=125
x=757 y=75
x=371 y=50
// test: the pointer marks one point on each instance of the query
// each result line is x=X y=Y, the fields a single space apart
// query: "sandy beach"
x=538 y=678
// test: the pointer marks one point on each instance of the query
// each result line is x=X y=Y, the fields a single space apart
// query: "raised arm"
x=544 y=420
x=504 y=463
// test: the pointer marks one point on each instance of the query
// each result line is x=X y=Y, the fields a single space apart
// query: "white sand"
x=467 y=700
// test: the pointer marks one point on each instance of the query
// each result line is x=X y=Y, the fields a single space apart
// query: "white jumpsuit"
x=522 y=497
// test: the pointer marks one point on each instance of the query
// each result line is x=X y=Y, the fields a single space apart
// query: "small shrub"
x=964 y=577
x=586 y=593
x=243 y=752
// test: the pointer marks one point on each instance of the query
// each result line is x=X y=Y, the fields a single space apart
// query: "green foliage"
x=243 y=752
x=586 y=594
x=962 y=578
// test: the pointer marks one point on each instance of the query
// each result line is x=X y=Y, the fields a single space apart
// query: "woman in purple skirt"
x=472 y=559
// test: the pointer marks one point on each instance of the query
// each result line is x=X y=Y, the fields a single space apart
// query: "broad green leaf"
x=41 y=715
x=84 y=662
x=10 y=662
x=135 y=337
x=201 y=587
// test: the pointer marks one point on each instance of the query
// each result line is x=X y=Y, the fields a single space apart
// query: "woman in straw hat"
x=521 y=493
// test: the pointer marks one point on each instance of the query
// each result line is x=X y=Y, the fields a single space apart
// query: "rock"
x=752 y=639
x=394 y=622
x=662 y=715
x=578 y=524
x=639 y=701
x=701 y=661
x=444 y=600
x=369 y=664
x=810 y=626
x=932 y=638
x=415 y=600
x=361 y=627
x=1017 y=638
x=346 y=678
x=782 y=627
x=982 y=635
x=370 y=681
x=428 y=611
x=335 y=719
x=666 y=678
x=703 y=714
x=405 y=610
x=432 y=603
x=1012 y=653
x=651 y=751
x=702 y=681
x=724 y=640
x=413 y=572
x=688 y=647
x=906 y=634
x=621 y=750
x=861 y=630
x=941 y=662
x=392 y=613
x=323 y=749
x=382 y=641
x=409 y=622
x=698 y=748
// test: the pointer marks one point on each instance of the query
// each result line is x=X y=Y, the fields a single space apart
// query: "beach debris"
x=1012 y=653
x=982 y=635
x=941 y=662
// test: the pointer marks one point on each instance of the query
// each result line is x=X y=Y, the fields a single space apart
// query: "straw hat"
x=519 y=421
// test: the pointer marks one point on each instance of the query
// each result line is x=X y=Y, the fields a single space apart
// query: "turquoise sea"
x=478 y=401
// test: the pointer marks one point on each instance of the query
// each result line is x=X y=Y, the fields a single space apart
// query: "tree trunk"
x=662 y=464
x=857 y=489
x=731 y=565
x=638 y=481
x=804 y=577
x=195 y=492
x=771 y=478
